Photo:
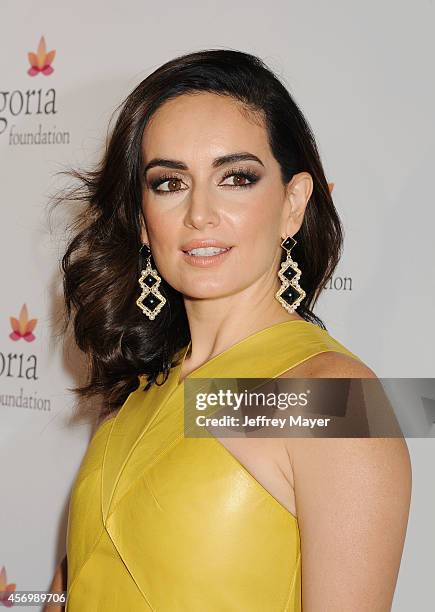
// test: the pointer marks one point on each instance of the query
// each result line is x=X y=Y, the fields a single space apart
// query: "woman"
x=172 y=272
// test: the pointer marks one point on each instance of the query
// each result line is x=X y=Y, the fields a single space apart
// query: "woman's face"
x=193 y=191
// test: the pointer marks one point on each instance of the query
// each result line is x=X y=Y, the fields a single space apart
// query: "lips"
x=205 y=242
x=199 y=260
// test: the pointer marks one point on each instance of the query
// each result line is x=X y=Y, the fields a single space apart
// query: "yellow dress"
x=163 y=522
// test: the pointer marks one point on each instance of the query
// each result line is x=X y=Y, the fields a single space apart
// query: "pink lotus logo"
x=41 y=60
x=22 y=327
x=6 y=589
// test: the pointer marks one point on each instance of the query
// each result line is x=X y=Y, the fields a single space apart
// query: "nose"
x=202 y=209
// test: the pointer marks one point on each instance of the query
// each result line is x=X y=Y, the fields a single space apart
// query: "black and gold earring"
x=290 y=294
x=151 y=301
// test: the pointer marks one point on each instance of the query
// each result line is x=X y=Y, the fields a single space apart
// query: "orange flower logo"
x=22 y=327
x=41 y=61
x=6 y=589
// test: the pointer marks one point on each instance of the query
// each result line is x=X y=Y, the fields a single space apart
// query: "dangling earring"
x=290 y=294
x=151 y=301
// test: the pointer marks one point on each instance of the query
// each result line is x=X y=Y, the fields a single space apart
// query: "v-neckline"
x=226 y=351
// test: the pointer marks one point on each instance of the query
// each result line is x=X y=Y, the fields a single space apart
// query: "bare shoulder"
x=350 y=493
x=340 y=365
x=330 y=364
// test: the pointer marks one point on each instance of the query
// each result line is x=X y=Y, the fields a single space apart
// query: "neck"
x=216 y=324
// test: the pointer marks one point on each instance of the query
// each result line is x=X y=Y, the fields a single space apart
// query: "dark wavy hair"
x=101 y=264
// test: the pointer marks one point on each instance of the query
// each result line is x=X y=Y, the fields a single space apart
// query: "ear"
x=143 y=232
x=298 y=193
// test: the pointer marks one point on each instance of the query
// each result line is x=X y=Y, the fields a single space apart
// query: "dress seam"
x=148 y=468
x=70 y=587
x=131 y=450
x=292 y=584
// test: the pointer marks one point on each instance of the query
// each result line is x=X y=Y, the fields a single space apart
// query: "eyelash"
x=245 y=173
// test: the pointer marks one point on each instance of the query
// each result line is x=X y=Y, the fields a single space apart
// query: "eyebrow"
x=217 y=162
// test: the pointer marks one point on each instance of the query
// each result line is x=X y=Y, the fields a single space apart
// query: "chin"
x=206 y=290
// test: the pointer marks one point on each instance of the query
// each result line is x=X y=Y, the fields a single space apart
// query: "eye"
x=240 y=176
x=173 y=184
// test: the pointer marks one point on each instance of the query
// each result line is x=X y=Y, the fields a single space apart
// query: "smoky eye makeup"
x=162 y=178
x=248 y=174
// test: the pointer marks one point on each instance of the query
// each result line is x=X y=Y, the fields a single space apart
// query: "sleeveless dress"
x=166 y=523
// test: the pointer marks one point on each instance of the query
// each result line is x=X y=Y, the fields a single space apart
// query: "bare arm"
x=352 y=499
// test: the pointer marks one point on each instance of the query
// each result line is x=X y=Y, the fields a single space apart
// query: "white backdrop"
x=362 y=73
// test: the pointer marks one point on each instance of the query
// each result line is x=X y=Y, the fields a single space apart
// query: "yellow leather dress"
x=163 y=522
